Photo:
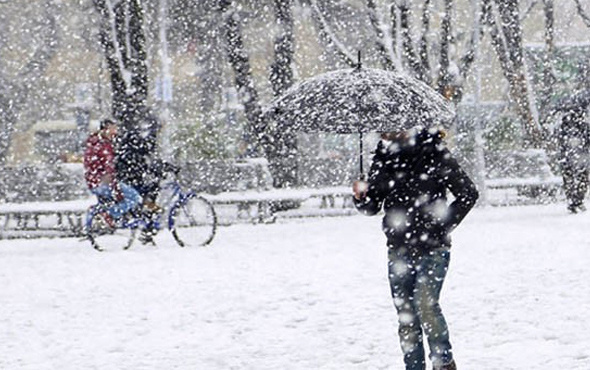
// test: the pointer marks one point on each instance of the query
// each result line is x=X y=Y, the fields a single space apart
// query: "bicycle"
x=189 y=217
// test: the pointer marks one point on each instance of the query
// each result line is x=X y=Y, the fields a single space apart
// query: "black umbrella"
x=359 y=100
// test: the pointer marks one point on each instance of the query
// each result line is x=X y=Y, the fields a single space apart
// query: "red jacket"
x=99 y=161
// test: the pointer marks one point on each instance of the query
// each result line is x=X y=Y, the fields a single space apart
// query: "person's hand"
x=359 y=189
x=107 y=179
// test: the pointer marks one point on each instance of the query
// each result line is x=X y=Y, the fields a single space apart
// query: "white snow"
x=298 y=294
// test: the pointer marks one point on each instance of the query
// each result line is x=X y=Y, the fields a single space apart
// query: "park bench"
x=266 y=206
x=42 y=219
x=66 y=218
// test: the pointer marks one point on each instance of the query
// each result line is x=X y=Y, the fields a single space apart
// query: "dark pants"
x=416 y=280
x=575 y=184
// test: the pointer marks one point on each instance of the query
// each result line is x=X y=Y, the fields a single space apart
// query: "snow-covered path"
x=307 y=294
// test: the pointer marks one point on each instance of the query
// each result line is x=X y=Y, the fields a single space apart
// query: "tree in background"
x=401 y=43
x=124 y=43
x=17 y=91
x=280 y=148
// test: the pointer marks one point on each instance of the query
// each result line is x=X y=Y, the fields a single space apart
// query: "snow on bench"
x=523 y=182
x=264 y=206
x=32 y=219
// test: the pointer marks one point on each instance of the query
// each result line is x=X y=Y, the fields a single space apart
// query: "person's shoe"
x=147 y=237
x=152 y=207
x=576 y=208
x=450 y=366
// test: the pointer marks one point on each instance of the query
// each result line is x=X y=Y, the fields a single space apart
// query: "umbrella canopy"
x=359 y=100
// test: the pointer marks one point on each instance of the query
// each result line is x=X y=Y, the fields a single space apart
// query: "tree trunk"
x=548 y=80
x=283 y=160
x=240 y=63
x=476 y=35
x=279 y=147
x=123 y=41
x=445 y=79
x=585 y=17
x=507 y=42
x=409 y=52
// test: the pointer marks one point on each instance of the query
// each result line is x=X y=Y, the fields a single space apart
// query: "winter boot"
x=147 y=237
x=450 y=366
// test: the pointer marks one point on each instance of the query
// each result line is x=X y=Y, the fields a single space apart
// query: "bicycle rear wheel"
x=102 y=236
x=193 y=221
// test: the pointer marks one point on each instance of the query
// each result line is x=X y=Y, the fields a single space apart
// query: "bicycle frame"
x=177 y=198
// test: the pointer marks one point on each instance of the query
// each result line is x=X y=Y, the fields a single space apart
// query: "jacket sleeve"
x=378 y=187
x=462 y=188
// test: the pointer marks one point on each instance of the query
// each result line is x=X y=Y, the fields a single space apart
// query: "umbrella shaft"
x=361 y=154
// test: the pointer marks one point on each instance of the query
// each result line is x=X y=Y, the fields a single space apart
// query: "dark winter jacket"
x=138 y=158
x=574 y=139
x=410 y=183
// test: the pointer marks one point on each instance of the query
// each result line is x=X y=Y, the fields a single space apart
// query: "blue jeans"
x=131 y=199
x=416 y=280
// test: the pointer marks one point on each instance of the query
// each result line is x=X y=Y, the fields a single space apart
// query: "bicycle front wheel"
x=193 y=221
x=102 y=236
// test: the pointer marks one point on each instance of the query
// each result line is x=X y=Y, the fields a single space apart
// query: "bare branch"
x=548 y=80
x=528 y=10
x=469 y=57
x=582 y=13
x=240 y=62
x=498 y=41
x=385 y=49
x=281 y=76
x=407 y=43
x=330 y=37
x=507 y=43
x=393 y=31
x=423 y=45
x=445 y=77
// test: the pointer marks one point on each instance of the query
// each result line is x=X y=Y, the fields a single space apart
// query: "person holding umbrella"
x=574 y=159
x=409 y=178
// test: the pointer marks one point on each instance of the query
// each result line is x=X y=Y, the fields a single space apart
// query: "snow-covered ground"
x=298 y=294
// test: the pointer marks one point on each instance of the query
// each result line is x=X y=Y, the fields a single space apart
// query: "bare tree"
x=123 y=41
x=503 y=19
x=415 y=57
x=240 y=63
x=329 y=37
x=546 y=90
x=281 y=71
x=585 y=17
x=385 y=49
x=279 y=147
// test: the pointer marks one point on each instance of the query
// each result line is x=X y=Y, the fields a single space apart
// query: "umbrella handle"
x=362 y=174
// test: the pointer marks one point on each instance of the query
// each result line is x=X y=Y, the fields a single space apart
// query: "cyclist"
x=139 y=165
x=100 y=174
